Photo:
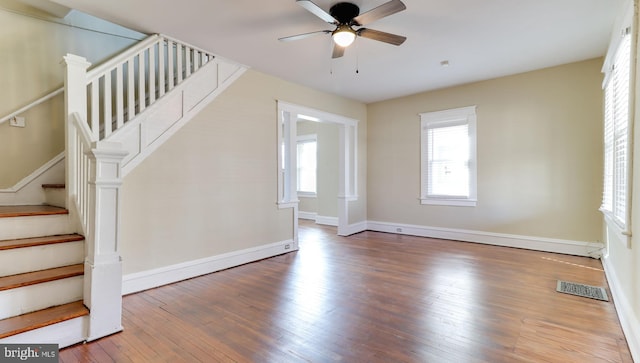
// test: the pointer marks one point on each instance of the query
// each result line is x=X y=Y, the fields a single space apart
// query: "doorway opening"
x=288 y=117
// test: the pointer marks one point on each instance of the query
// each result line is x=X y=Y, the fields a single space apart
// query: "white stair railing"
x=98 y=103
x=129 y=83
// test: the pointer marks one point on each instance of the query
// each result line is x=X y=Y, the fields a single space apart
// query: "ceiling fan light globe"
x=344 y=36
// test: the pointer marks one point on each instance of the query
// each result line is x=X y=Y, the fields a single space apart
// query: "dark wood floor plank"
x=374 y=297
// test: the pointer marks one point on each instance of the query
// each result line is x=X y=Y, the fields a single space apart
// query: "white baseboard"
x=628 y=320
x=353 y=229
x=578 y=248
x=144 y=280
x=307 y=215
x=328 y=221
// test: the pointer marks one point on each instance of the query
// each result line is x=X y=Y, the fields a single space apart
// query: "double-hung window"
x=307 y=156
x=448 y=157
x=616 y=133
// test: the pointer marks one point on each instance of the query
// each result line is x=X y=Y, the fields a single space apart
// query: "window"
x=616 y=128
x=448 y=157
x=307 y=146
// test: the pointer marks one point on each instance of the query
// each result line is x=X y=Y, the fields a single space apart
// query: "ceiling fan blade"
x=317 y=11
x=338 y=51
x=302 y=36
x=379 y=12
x=381 y=36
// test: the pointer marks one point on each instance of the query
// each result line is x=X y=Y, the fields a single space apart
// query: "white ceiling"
x=481 y=39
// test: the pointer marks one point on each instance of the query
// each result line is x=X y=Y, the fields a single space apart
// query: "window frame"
x=445 y=118
x=616 y=211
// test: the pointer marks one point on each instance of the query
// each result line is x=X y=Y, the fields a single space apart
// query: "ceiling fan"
x=345 y=16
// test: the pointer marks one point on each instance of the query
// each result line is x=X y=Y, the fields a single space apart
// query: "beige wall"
x=328 y=162
x=31 y=48
x=539 y=155
x=212 y=188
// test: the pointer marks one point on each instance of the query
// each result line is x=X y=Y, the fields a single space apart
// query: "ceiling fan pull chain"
x=357 y=58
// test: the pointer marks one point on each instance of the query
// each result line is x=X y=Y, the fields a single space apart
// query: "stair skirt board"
x=21 y=260
x=66 y=333
x=34 y=226
x=30 y=298
x=29 y=190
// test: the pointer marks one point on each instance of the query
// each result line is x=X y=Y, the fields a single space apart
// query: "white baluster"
x=196 y=59
x=131 y=89
x=119 y=97
x=94 y=119
x=106 y=104
x=161 y=68
x=152 y=74
x=187 y=61
x=171 y=71
x=142 y=96
x=179 y=62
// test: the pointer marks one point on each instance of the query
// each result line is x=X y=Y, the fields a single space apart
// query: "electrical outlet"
x=286 y=247
x=17 y=121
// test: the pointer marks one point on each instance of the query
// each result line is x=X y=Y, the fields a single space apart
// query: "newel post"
x=75 y=101
x=103 y=265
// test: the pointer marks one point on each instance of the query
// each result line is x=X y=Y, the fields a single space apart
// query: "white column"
x=103 y=265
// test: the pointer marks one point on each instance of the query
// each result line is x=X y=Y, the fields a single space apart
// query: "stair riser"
x=34 y=226
x=66 y=333
x=21 y=260
x=40 y=296
x=56 y=197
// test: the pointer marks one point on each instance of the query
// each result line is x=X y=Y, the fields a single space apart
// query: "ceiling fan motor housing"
x=344 y=12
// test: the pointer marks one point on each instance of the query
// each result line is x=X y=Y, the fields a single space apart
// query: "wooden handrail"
x=32 y=104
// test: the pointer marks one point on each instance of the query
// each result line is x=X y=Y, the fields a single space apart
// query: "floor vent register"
x=592 y=292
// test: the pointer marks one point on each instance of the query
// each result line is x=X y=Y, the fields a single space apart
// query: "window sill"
x=307 y=195
x=449 y=202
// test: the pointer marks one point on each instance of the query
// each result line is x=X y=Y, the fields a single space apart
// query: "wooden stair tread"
x=53 y=186
x=30 y=210
x=37 y=277
x=41 y=318
x=39 y=241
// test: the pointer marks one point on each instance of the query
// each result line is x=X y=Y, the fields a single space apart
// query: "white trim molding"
x=578 y=248
x=327 y=221
x=628 y=320
x=139 y=281
x=307 y=215
x=355 y=228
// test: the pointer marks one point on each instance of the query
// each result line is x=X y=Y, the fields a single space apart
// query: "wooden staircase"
x=48 y=274
x=41 y=275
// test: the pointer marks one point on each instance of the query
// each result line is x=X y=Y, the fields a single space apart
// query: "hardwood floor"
x=372 y=297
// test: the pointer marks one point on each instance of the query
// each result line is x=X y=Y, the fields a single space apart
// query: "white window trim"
x=302 y=139
x=622 y=27
x=462 y=115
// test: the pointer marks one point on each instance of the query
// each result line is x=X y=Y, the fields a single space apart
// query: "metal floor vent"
x=592 y=292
